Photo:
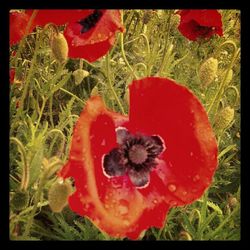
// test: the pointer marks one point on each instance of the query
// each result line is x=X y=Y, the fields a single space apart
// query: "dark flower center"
x=204 y=30
x=135 y=156
x=90 y=21
x=138 y=154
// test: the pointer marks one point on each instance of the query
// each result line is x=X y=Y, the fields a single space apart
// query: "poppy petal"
x=58 y=16
x=18 y=25
x=162 y=107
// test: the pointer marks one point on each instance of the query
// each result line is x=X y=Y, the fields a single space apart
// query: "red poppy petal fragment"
x=58 y=16
x=162 y=107
x=18 y=25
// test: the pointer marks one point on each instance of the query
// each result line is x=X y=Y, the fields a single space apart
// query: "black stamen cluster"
x=90 y=21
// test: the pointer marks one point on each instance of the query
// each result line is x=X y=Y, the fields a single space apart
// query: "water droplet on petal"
x=155 y=201
x=106 y=206
x=78 y=138
x=171 y=187
x=103 y=142
x=184 y=193
x=191 y=153
x=196 y=178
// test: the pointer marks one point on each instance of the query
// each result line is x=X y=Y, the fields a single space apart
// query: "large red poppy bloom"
x=130 y=170
x=93 y=34
x=203 y=24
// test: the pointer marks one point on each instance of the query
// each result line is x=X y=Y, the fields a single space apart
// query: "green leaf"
x=35 y=166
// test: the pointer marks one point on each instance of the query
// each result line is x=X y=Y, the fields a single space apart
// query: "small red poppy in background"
x=130 y=170
x=12 y=75
x=202 y=24
x=93 y=34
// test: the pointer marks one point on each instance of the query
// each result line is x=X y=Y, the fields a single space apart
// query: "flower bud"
x=20 y=200
x=208 y=71
x=94 y=91
x=229 y=77
x=224 y=118
x=79 y=75
x=232 y=202
x=184 y=236
x=59 y=47
x=58 y=196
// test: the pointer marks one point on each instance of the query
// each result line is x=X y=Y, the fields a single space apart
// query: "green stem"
x=50 y=169
x=166 y=43
x=123 y=52
x=224 y=222
x=51 y=110
x=228 y=42
x=21 y=45
x=29 y=78
x=237 y=94
x=215 y=102
x=80 y=63
x=111 y=86
x=25 y=174
x=41 y=113
x=62 y=135
x=71 y=94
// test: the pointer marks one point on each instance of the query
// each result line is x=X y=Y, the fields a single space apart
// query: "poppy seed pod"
x=229 y=77
x=224 y=118
x=208 y=71
x=59 y=47
x=232 y=202
x=20 y=200
x=58 y=196
x=79 y=75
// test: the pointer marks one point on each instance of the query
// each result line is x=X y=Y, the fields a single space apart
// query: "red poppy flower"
x=200 y=24
x=129 y=171
x=12 y=75
x=93 y=34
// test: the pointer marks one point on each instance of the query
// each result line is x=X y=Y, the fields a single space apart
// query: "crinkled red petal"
x=58 y=16
x=162 y=107
x=90 y=52
x=18 y=25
